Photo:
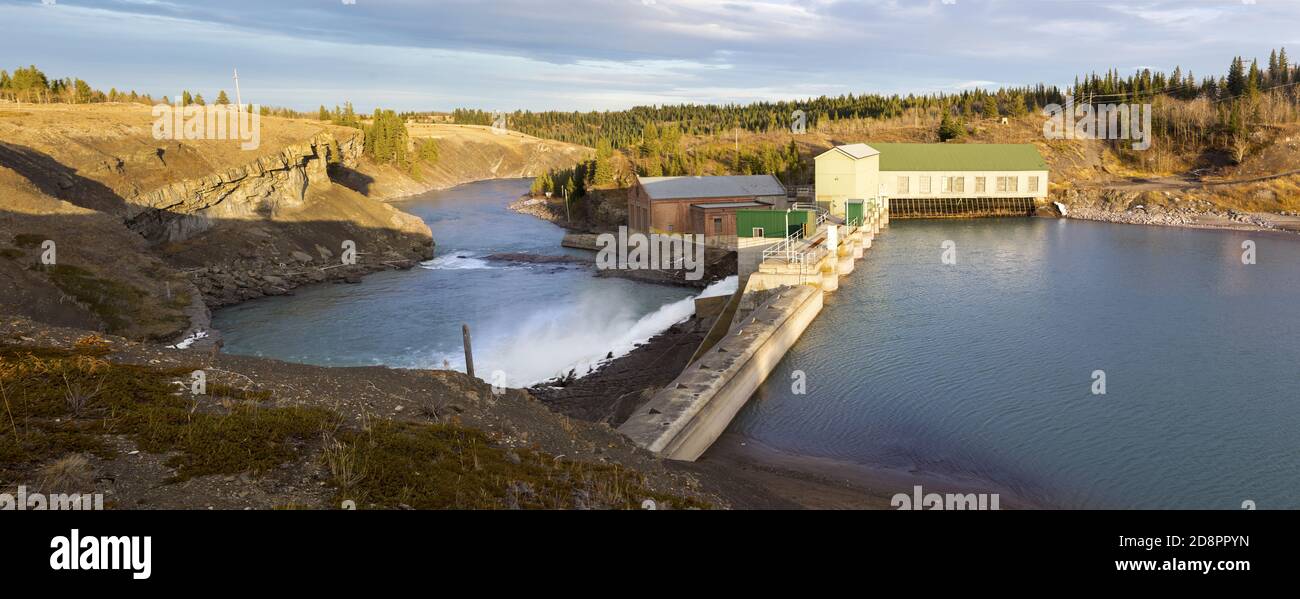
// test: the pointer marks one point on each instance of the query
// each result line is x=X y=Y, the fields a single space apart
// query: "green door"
x=853 y=213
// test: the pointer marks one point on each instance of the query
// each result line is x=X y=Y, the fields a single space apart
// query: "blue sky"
x=612 y=54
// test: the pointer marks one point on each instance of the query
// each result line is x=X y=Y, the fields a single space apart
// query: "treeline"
x=1146 y=85
x=30 y=84
x=1191 y=114
x=626 y=129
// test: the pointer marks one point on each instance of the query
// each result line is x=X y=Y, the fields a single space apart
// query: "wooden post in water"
x=469 y=353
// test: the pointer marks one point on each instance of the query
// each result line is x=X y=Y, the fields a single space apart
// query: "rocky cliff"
x=262 y=189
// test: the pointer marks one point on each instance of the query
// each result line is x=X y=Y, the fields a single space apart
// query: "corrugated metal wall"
x=771 y=221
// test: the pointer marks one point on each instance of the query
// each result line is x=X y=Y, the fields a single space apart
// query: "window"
x=1007 y=184
x=954 y=184
x=717 y=225
x=1033 y=184
x=945 y=184
x=758 y=232
x=903 y=185
x=1012 y=183
x=925 y=184
x=979 y=185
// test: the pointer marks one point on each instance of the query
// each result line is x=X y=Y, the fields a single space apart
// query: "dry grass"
x=70 y=474
x=379 y=463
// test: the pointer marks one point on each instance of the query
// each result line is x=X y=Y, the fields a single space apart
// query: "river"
x=984 y=370
x=530 y=322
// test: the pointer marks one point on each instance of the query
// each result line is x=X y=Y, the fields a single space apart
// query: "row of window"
x=1009 y=184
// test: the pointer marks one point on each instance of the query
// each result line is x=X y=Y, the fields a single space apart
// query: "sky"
x=615 y=54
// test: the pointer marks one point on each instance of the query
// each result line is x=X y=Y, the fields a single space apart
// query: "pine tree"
x=198 y=99
x=222 y=98
x=1236 y=83
x=1253 y=81
x=604 y=171
x=950 y=128
x=989 y=107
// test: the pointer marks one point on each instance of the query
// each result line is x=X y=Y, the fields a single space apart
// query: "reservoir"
x=983 y=370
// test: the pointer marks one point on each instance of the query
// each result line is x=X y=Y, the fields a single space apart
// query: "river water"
x=984 y=370
x=978 y=371
x=531 y=322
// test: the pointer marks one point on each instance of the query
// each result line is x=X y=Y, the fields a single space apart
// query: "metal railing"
x=784 y=248
x=815 y=208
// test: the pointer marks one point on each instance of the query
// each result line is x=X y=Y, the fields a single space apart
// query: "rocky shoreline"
x=1191 y=218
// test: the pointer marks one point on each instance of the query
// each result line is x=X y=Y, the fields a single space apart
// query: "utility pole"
x=239 y=101
x=737 y=146
x=469 y=353
x=567 y=218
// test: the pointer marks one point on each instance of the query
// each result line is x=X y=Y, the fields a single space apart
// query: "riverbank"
x=266 y=434
x=1229 y=221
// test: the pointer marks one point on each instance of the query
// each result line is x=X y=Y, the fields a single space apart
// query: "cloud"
x=608 y=54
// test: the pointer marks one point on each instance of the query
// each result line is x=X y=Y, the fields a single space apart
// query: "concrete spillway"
x=777 y=301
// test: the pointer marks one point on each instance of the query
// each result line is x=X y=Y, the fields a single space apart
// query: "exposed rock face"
x=264 y=188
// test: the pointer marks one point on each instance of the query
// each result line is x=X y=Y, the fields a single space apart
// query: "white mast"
x=238 y=100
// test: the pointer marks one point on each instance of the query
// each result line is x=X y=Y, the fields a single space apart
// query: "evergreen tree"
x=950 y=128
x=386 y=139
x=222 y=98
x=604 y=170
x=186 y=98
x=1236 y=83
x=1253 y=81
x=990 y=107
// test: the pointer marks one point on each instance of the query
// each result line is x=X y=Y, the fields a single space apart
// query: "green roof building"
x=932 y=171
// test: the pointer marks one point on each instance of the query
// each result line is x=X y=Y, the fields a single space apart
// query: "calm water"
x=983 y=370
x=530 y=321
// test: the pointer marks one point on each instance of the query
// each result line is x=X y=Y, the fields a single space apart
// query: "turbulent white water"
x=457 y=261
x=578 y=336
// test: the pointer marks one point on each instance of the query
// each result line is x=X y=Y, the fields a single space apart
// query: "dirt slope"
x=469 y=153
x=240 y=223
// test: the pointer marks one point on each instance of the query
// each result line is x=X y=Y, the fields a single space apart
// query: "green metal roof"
x=959 y=157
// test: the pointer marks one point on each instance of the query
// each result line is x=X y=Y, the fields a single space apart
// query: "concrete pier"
x=779 y=297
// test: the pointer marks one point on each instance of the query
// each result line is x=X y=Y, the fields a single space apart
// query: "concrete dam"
x=781 y=291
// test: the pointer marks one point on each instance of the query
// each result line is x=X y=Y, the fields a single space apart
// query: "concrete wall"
x=890 y=182
x=749 y=253
x=685 y=418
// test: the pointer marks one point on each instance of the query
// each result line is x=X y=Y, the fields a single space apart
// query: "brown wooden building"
x=704 y=205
